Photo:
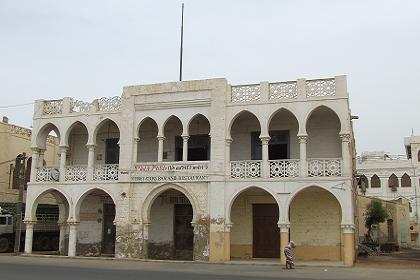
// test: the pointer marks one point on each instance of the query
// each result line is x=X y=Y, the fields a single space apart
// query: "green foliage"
x=375 y=214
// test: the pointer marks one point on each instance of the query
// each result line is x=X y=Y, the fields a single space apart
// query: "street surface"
x=42 y=268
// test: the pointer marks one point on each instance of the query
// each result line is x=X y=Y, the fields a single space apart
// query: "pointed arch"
x=198 y=116
x=87 y=192
x=287 y=111
x=375 y=182
x=232 y=121
x=71 y=127
x=323 y=107
x=405 y=180
x=43 y=132
x=99 y=125
x=143 y=122
x=158 y=190
x=60 y=197
x=393 y=181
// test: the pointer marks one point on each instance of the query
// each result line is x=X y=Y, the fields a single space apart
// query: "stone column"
x=348 y=244
x=41 y=158
x=265 y=164
x=91 y=162
x=228 y=227
x=135 y=148
x=62 y=242
x=227 y=156
x=34 y=165
x=63 y=155
x=72 y=238
x=345 y=154
x=29 y=233
x=303 y=139
x=185 y=147
x=145 y=249
x=284 y=240
x=160 y=147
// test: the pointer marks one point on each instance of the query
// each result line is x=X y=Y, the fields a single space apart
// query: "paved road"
x=40 y=268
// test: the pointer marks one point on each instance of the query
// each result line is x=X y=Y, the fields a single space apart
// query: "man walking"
x=288 y=255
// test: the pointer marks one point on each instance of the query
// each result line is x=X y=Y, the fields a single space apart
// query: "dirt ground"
x=405 y=258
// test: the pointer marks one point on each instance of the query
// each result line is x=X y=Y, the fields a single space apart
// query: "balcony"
x=78 y=173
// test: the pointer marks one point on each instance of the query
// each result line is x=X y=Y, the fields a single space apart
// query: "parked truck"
x=46 y=236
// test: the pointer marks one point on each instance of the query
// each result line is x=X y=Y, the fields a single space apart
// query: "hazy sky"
x=89 y=49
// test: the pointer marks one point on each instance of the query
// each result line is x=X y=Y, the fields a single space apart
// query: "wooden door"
x=266 y=233
x=183 y=232
x=109 y=230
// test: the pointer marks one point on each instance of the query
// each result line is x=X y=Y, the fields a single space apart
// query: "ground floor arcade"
x=201 y=221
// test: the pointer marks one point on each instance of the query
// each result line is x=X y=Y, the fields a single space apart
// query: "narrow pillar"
x=135 y=149
x=348 y=244
x=227 y=156
x=160 y=147
x=228 y=227
x=284 y=240
x=29 y=234
x=34 y=165
x=62 y=244
x=41 y=158
x=63 y=156
x=185 y=147
x=145 y=249
x=345 y=154
x=72 y=238
x=91 y=162
x=303 y=139
x=265 y=164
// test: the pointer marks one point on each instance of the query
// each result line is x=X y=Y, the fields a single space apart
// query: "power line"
x=16 y=105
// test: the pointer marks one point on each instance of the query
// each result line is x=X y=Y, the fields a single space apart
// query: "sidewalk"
x=405 y=258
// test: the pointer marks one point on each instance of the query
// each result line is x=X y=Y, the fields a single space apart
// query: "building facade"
x=391 y=177
x=201 y=170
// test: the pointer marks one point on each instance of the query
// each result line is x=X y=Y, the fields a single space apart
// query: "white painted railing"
x=47 y=174
x=246 y=93
x=284 y=168
x=106 y=172
x=245 y=169
x=324 y=167
x=75 y=173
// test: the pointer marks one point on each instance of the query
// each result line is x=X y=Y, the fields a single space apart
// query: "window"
x=393 y=181
x=198 y=147
x=405 y=180
x=278 y=147
x=375 y=182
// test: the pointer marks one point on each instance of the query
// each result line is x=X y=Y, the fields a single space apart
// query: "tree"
x=375 y=214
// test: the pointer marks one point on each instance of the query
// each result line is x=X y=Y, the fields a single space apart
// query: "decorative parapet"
x=328 y=167
x=27 y=133
x=109 y=103
x=79 y=106
x=246 y=93
x=285 y=90
x=53 y=107
x=320 y=88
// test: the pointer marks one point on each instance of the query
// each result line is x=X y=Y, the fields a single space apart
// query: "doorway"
x=183 y=232
x=266 y=233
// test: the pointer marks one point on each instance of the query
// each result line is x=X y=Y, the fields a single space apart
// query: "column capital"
x=35 y=150
x=229 y=141
x=303 y=138
x=29 y=222
x=160 y=137
x=185 y=137
x=265 y=139
x=63 y=148
x=91 y=146
x=283 y=227
x=228 y=227
x=73 y=222
x=347 y=228
x=42 y=151
x=137 y=139
x=345 y=137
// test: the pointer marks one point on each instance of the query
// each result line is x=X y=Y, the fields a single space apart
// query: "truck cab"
x=6 y=223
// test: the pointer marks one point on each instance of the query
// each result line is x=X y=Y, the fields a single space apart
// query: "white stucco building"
x=390 y=177
x=201 y=170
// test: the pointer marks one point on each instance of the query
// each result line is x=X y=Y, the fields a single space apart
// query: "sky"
x=87 y=49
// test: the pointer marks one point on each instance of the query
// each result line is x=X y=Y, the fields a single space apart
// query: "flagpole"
x=182 y=42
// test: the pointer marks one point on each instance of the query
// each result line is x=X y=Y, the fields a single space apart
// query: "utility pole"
x=182 y=43
x=21 y=159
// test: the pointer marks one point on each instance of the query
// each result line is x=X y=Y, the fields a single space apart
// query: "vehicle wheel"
x=4 y=244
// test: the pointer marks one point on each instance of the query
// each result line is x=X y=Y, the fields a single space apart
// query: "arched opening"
x=172 y=149
x=171 y=234
x=96 y=232
x=50 y=234
x=363 y=183
x=107 y=149
x=147 y=147
x=254 y=233
x=47 y=141
x=375 y=182
x=405 y=180
x=323 y=128
x=315 y=225
x=77 y=138
x=393 y=181
x=199 y=138
x=283 y=145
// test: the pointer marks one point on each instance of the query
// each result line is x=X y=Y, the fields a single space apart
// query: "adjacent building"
x=391 y=177
x=201 y=170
